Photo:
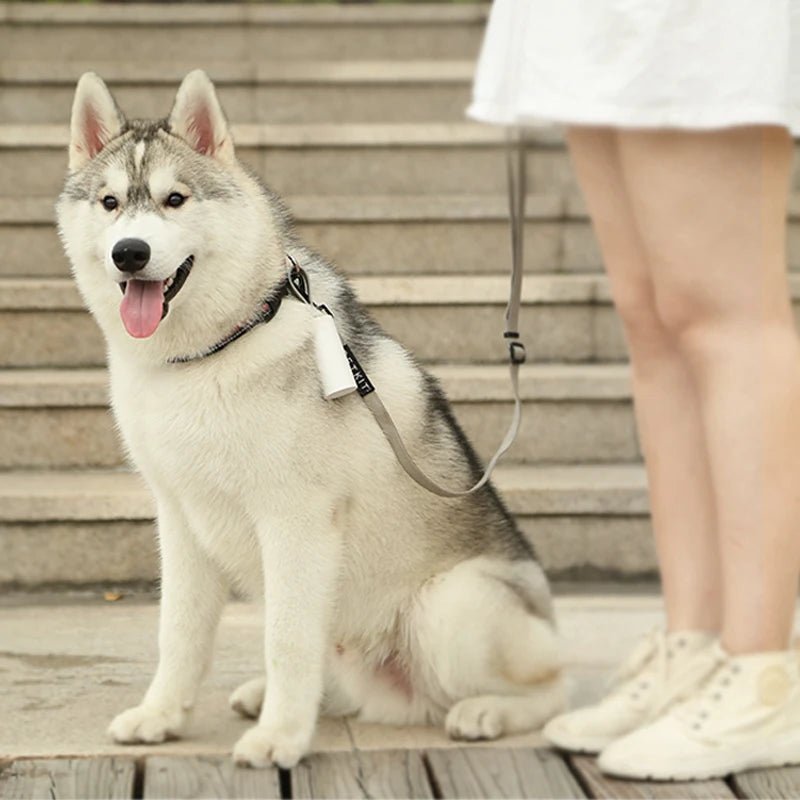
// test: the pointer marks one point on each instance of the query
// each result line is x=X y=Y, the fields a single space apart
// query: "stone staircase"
x=355 y=115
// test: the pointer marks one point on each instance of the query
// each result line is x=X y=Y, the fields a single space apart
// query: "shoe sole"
x=585 y=747
x=784 y=754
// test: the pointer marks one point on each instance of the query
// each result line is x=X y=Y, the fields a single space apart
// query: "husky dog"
x=381 y=601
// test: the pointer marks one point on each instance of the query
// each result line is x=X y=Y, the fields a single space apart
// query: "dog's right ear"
x=96 y=120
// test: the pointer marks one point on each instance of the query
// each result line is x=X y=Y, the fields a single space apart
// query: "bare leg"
x=666 y=402
x=710 y=210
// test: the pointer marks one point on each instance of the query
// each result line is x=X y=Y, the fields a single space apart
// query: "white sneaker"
x=746 y=716
x=663 y=669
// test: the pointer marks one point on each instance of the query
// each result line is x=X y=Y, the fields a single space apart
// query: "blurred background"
x=355 y=113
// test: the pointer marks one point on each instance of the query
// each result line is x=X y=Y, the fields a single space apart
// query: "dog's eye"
x=109 y=202
x=175 y=199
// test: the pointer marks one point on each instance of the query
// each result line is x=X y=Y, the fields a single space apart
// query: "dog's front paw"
x=264 y=746
x=147 y=724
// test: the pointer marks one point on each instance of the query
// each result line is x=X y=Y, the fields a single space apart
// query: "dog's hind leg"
x=345 y=687
x=488 y=653
x=491 y=716
x=248 y=698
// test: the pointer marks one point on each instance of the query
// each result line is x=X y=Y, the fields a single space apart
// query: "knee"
x=686 y=313
x=636 y=306
x=705 y=325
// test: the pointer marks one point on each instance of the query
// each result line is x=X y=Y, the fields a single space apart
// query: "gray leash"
x=515 y=158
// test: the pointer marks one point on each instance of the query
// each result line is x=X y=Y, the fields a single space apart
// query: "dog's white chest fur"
x=211 y=438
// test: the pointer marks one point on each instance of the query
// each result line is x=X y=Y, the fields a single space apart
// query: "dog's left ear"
x=197 y=117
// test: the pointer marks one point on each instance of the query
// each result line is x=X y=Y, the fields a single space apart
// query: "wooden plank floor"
x=467 y=772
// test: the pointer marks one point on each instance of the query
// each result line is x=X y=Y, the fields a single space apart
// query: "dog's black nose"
x=130 y=255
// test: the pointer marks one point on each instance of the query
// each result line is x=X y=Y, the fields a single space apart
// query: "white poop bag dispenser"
x=341 y=374
x=334 y=368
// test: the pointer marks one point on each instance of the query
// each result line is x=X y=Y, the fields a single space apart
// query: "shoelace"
x=652 y=653
x=695 y=711
x=649 y=665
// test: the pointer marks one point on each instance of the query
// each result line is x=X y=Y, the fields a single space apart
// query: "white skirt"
x=694 y=64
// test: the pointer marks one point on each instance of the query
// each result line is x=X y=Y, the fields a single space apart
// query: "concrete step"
x=267 y=91
x=85 y=527
x=573 y=414
x=326 y=159
x=239 y=31
x=451 y=319
x=378 y=234
x=333 y=159
x=421 y=234
x=444 y=319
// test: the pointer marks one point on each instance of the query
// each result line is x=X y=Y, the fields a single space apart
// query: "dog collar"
x=263 y=314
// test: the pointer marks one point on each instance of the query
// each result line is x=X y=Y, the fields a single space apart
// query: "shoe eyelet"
x=635 y=696
x=681 y=643
x=716 y=696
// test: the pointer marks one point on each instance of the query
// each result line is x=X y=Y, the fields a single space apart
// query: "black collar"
x=264 y=313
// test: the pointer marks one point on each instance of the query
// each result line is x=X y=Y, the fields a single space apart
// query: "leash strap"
x=515 y=159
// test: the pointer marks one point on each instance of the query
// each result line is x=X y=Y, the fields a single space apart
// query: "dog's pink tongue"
x=141 y=307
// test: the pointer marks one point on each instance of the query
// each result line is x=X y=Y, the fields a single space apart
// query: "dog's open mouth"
x=145 y=303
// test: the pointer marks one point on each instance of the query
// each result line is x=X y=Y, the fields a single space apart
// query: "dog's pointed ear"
x=95 y=121
x=197 y=117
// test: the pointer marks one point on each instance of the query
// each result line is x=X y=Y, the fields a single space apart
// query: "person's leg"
x=666 y=402
x=667 y=665
x=710 y=210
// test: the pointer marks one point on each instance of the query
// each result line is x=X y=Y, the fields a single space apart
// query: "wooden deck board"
x=783 y=782
x=600 y=786
x=365 y=774
x=54 y=778
x=186 y=777
x=496 y=773
x=467 y=772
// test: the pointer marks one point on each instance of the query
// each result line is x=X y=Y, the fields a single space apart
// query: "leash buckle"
x=516 y=349
x=516 y=352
